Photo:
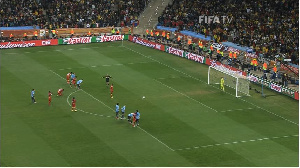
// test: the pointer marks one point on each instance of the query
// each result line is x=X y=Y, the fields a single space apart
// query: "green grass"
x=184 y=121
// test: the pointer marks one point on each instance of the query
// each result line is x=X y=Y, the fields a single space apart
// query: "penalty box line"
x=113 y=111
x=149 y=57
x=186 y=96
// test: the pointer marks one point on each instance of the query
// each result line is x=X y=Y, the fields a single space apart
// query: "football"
x=143 y=97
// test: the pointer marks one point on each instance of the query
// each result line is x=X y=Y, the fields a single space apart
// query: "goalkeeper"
x=222 y=84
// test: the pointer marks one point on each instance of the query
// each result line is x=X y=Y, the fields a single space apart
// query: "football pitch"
x=184 y=121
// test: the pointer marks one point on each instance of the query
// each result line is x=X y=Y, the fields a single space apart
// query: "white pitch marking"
x=252 y=140
x=156 y=139
x=186 y=96
x=41 y=51
x=118 y=64
x=188 y=148
x=275 y=137
x=106 y=65
x=70 y=49
x=196 y=147
x=130 y=63
x=107 y=116
x=93 y=66
x=84 y=48
x=149 y=57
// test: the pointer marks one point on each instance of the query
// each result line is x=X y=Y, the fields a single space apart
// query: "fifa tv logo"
x=214 y=19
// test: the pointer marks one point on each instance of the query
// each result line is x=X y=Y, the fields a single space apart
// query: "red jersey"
x=74 y=80
x=73 y=102
x=68 y=75
x=111 y=88
x=59 y=90
x=49 y=96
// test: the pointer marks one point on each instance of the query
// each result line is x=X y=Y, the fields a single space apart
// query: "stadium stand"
x=70 y=13
x=269 y=27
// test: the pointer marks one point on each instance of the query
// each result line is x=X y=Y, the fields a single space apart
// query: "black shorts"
x=107 y=79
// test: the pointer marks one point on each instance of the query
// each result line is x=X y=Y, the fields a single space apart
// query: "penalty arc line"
x=113 y=110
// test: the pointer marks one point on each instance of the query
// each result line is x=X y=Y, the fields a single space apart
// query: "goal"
x=232 y=79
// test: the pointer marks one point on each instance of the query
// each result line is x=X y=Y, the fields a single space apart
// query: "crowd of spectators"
x=70 y=13
x=270 y=27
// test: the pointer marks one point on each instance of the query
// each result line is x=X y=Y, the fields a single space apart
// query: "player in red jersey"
x=68 y=77
x=133 y=119
x=111 y=90
x=74 y=104
x=74 y=81
x=49 y=98
x=60 y=91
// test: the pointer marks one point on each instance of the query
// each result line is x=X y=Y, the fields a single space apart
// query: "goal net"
x=232 y=79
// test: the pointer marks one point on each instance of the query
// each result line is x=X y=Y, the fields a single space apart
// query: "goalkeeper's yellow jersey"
x=222 y=81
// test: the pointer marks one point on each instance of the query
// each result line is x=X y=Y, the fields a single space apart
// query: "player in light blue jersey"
x=123 y=111
x=117 y=110
x=72 y=76
x=129 y=117
x=79 y=82
x=32 y=96
x=137 y=118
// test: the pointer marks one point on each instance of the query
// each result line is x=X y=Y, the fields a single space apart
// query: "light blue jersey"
x=117 y=108
x=79 y=82
x=72 y=76
x=137 y=115
x=123 y=109
x=32 y=93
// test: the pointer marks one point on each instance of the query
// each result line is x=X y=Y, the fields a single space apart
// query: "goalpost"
x=232 y=79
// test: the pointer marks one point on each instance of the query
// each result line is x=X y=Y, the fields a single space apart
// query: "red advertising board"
x=297 y=95
x=31 y=43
